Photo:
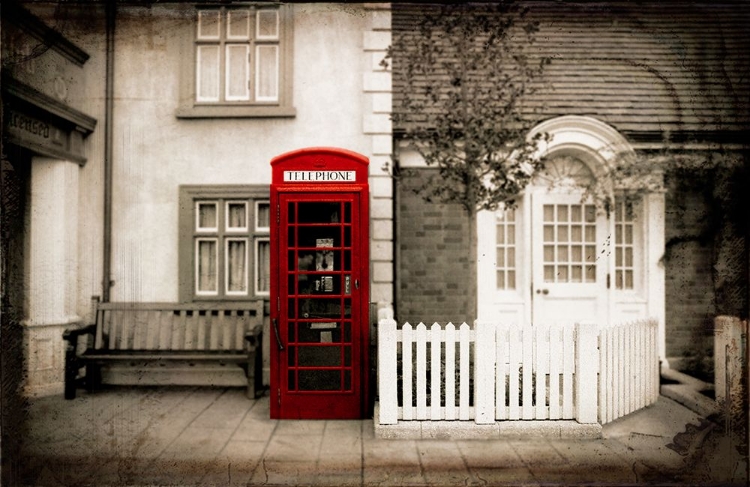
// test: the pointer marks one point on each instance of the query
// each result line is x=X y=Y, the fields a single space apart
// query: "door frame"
x=597 y=144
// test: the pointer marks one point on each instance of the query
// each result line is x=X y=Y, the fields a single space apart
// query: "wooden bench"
x=142 y=333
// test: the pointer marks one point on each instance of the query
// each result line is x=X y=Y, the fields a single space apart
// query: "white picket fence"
x=519 y=373
x=628 y=369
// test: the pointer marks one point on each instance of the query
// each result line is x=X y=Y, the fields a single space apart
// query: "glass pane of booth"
x=319 y=289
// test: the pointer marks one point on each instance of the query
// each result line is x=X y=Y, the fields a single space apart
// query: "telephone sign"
x=319 y=284
x=320 y=176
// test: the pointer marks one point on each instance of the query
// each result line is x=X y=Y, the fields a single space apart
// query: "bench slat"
x=165 y=329
x=114 y=330
x=215 y=324
x=178 y=331
x=137 y=324
x=198 y=306
x=230 y=324
x=191 y=330
x=146 y=355
x=238 y=336
x=153 y=327
x=100 y=330
x=200 y=343
x=175 y=327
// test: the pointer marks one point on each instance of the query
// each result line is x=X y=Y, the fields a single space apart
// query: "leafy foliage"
x=464 y=72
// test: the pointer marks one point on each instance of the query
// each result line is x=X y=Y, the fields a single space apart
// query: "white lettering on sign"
x=319 y=177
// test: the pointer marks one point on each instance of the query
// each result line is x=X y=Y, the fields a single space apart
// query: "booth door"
x=321 y=328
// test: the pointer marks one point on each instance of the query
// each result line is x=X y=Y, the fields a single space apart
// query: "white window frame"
x=241 y=102
x=220 y=197
x=196 y=271
x=258 y=228
x=258 y=97
x=218 y=29
x=507 y=265
x=245 y=272
x=257 y=26
x=245 y=96
x=198 y=78
x=230 y=229
x=198 y=227
x=638 y=245
x=257 y=267
x=245 y=37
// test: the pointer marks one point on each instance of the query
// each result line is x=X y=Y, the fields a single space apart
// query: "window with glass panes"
x=624 y=246
x=505 y=244
x=569 y=243
x=224 y=243
x=237 y=55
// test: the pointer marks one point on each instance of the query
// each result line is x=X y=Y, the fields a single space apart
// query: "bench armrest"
x=253 y=336
x=72 y=334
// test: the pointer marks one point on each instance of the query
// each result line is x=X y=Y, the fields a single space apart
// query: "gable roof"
x=645 y=68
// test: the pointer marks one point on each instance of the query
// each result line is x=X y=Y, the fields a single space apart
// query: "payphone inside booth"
x=319 y=284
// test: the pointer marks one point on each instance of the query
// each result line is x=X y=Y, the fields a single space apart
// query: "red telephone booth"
x=319 y=284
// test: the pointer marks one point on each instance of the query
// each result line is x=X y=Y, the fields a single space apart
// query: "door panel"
x=569 y=259
x=320 y=365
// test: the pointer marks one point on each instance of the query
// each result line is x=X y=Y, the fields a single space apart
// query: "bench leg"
x=258 y=375
x=93 y=376
x=71 y=372
x=250 y=372
x=254 y=372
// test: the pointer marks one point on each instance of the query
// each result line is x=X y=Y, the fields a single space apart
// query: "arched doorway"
x=558 y=257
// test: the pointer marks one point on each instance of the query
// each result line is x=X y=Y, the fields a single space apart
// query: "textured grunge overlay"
x=670 y=76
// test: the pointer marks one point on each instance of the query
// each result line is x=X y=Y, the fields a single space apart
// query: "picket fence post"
x=484 y=373
x=587 y=361
x=387 y=373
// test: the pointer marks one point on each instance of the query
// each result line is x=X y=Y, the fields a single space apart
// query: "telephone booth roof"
x=321 y=165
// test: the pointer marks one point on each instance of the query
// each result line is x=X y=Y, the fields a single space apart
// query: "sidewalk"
x=203 y=436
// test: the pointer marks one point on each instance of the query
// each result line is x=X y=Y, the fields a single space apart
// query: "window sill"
x=235 y=111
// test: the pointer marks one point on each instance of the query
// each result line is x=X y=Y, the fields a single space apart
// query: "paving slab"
x=391 y=462
x=235 y=464
x=204 y=436
x=442 y=463
x=270 y=472
x=227 y=411
x=255 y=429
x=297 y=427
x=380 y=452
x=489 y=454
x=292 y=449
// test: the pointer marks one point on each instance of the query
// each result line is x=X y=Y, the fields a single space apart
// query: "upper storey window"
x=241 y=63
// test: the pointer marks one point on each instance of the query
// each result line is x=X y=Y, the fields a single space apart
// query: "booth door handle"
x=356 y=284
x=276 y=332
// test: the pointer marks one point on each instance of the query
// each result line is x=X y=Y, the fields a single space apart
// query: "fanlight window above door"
x=564 y=172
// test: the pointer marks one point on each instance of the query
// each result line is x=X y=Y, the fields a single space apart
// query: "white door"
x=569 y=258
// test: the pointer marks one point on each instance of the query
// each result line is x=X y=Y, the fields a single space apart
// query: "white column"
x=654 y=267
x=376 y=123
x=53 y=270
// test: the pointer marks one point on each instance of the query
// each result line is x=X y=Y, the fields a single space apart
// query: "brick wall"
x=706 y=252
x=433 y=262
x=690 y=306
